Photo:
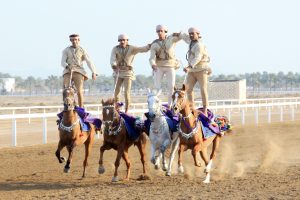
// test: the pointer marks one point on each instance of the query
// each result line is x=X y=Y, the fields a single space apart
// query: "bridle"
x=156 y=110
x=109 y=124
x=177 y=107
x=69 y=99
x=69 y=105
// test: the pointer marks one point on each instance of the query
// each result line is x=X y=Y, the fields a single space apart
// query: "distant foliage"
x=256 y=81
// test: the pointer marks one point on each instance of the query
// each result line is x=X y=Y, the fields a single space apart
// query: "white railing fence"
x=229 y=108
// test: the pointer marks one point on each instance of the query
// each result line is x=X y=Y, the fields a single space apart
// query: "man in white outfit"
x=198 y=68
x=163 y=60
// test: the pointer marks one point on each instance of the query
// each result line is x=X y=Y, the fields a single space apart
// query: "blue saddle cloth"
x=172 y=120
x=207 y=121
x=132 y=130
x=85 y=119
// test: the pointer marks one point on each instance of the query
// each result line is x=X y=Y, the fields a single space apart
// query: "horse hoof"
x=115 y=179
x=168 y=173
x=164 y=168
x=206 y=181
x=66 y=170
x=156 y=167
x=101 y=170
x=180 y=169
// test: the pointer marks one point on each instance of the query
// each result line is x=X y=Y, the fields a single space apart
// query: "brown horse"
x=190 y=133
x=116 y=137
x=70 y=133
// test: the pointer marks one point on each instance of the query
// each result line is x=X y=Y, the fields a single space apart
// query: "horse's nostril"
x=175 y=108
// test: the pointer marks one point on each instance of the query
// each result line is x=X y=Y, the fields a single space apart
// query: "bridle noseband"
x=112 y=130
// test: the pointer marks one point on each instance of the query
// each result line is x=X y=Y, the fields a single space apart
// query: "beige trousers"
x=190 y=81
x=78 y=80
x=127 y=89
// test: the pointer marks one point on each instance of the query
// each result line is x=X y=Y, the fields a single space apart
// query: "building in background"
x=227 y=89
x=7 y=85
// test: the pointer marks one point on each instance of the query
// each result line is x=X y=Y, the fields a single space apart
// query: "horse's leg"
x=175 y=144
x=142 y=149
x=127 y=161
x=180 y=153
x=60 y=146
x=157 y=160
x=195 y=151
x=215 y=147
x=117 y=162
x=67 y=166
x=104 y=147
x=88 y=147
x=166 y=143
x=152 y=152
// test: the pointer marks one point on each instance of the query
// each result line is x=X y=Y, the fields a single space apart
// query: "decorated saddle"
x=213 y=124
x=172 y=120
x=131 y=123
x=85 y=119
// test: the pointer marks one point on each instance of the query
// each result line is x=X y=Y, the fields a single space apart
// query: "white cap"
x=122 y=37
x=194 y=30
x=161 y=27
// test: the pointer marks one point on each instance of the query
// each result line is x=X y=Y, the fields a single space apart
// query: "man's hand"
x=209 y=71
x=175 y=34
x=94 y=76
x=154 y=67
x=186 y=69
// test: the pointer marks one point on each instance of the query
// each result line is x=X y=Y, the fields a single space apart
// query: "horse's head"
x=178 y=100
x=154 y=105
x=110 y=114
x=69 y=98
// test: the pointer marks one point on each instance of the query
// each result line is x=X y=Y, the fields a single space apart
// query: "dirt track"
x=256 y=162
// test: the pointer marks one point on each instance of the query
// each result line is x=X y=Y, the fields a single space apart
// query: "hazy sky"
x=241 y=36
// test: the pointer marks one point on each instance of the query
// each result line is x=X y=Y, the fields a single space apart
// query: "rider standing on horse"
x=162 y=59
x=121 y=60
x=72 y=60
x=198 y=68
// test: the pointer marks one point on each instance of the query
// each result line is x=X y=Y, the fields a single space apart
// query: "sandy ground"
x=255 y=162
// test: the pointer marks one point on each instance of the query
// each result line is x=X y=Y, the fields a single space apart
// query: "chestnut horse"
x=70 y=133
x=116 y=136
x=190 y=133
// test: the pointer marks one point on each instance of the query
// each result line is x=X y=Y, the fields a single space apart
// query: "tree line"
x=53 y=84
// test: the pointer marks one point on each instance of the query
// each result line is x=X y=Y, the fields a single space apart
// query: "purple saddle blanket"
x=207 y=121
x=132 y=129
x=85 y=119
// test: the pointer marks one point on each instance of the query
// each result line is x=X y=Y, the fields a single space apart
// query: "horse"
x=116 y=136
x=160 y=135
x=190 y=133
x=70 y=133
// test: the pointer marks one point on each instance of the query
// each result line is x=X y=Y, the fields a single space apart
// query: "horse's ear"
x=102 y=101
x=158 y=93
x=175 y=88
x=65 y=86
x=183 y=87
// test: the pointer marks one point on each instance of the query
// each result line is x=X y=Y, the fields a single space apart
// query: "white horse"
x=160 y=135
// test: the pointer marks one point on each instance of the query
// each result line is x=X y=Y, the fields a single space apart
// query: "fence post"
x=14 y=132
x=44 y=130
x=281 y=113
x=229 y=114
x=293 y=114
x=243 y=116
x=29 y=118
x=269 y=114
x=256 y=115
